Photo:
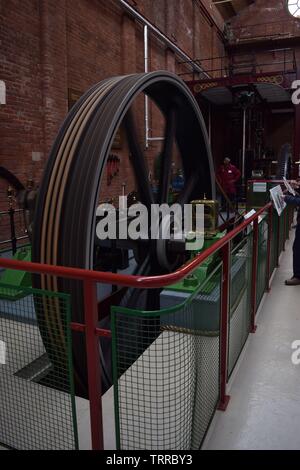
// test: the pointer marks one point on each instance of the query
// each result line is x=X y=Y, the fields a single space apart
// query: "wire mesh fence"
x=37 y=407
x=166 y=370
x=240 y=299
x=166 y=364
x=274 y=242
x=280 y=233
x=261 y=275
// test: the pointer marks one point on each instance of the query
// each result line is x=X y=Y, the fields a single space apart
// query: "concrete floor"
x=264 y=409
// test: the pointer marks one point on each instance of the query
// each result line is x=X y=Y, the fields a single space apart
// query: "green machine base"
x=16 y=279
x=191 y=283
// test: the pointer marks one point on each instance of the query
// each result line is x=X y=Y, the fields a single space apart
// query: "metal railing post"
x=93 y=363
x=254 y=275
x=269 y=247
x=224 y=399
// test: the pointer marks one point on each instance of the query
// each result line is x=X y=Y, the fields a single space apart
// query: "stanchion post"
x=93 y=363
x=224 y=399
x=254 y=275
x=11 y=212
x=269 y=248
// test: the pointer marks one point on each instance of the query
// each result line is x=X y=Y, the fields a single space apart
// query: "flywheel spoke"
x=138 y=160
x=166 y=159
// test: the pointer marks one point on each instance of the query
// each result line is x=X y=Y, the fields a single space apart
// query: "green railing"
x=167 y=369
x=169 y=365
x=37 y=401
x=240 y=299
x=262 y=260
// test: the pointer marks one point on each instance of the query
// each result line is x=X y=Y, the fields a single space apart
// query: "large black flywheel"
x=65 y=219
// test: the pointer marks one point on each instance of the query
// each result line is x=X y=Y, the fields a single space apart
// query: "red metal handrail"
x=141 y=282
x=92 y=330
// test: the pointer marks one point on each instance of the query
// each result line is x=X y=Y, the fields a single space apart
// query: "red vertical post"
x=270 y=236
x=224 y=399
x=93 y=363
x=254 y=275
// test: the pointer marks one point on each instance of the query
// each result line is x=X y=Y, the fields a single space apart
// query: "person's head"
x=227 y=161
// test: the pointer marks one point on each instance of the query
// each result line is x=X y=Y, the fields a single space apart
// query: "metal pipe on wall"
x=148 y=26
x=133 y=12
x=209 y=123
x=146 y=69
x=244 y=145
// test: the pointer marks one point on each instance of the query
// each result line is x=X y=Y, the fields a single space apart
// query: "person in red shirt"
x=227 y=176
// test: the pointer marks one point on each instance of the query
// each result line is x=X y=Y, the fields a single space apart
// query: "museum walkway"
x=264 y=408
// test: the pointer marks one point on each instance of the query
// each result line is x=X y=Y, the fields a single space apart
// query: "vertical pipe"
x=146 y=69
x=12 y=230
x=224 y=399
x=254 y=276
x=270 y=235
x=93 y=363
x=244 y=146
x=249 y=129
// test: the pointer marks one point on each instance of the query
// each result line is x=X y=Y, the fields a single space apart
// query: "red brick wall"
x=21 y=119
x=262 y=12
x=48 y=47
x=267 y=18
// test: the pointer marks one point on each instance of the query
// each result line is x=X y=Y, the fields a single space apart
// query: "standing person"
x=228 y=175
x=295 y=201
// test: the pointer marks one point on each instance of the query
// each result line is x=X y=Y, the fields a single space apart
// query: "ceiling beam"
x=229 y=8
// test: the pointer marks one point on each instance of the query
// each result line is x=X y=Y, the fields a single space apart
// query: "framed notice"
x=278 y=199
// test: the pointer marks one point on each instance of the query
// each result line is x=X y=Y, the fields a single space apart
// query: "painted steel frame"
x=91 y=278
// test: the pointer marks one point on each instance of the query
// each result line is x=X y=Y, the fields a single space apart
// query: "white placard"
x=36 y=156
x=289 y=187
x=278 y=199
x=249 y=214
x=259 y=187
